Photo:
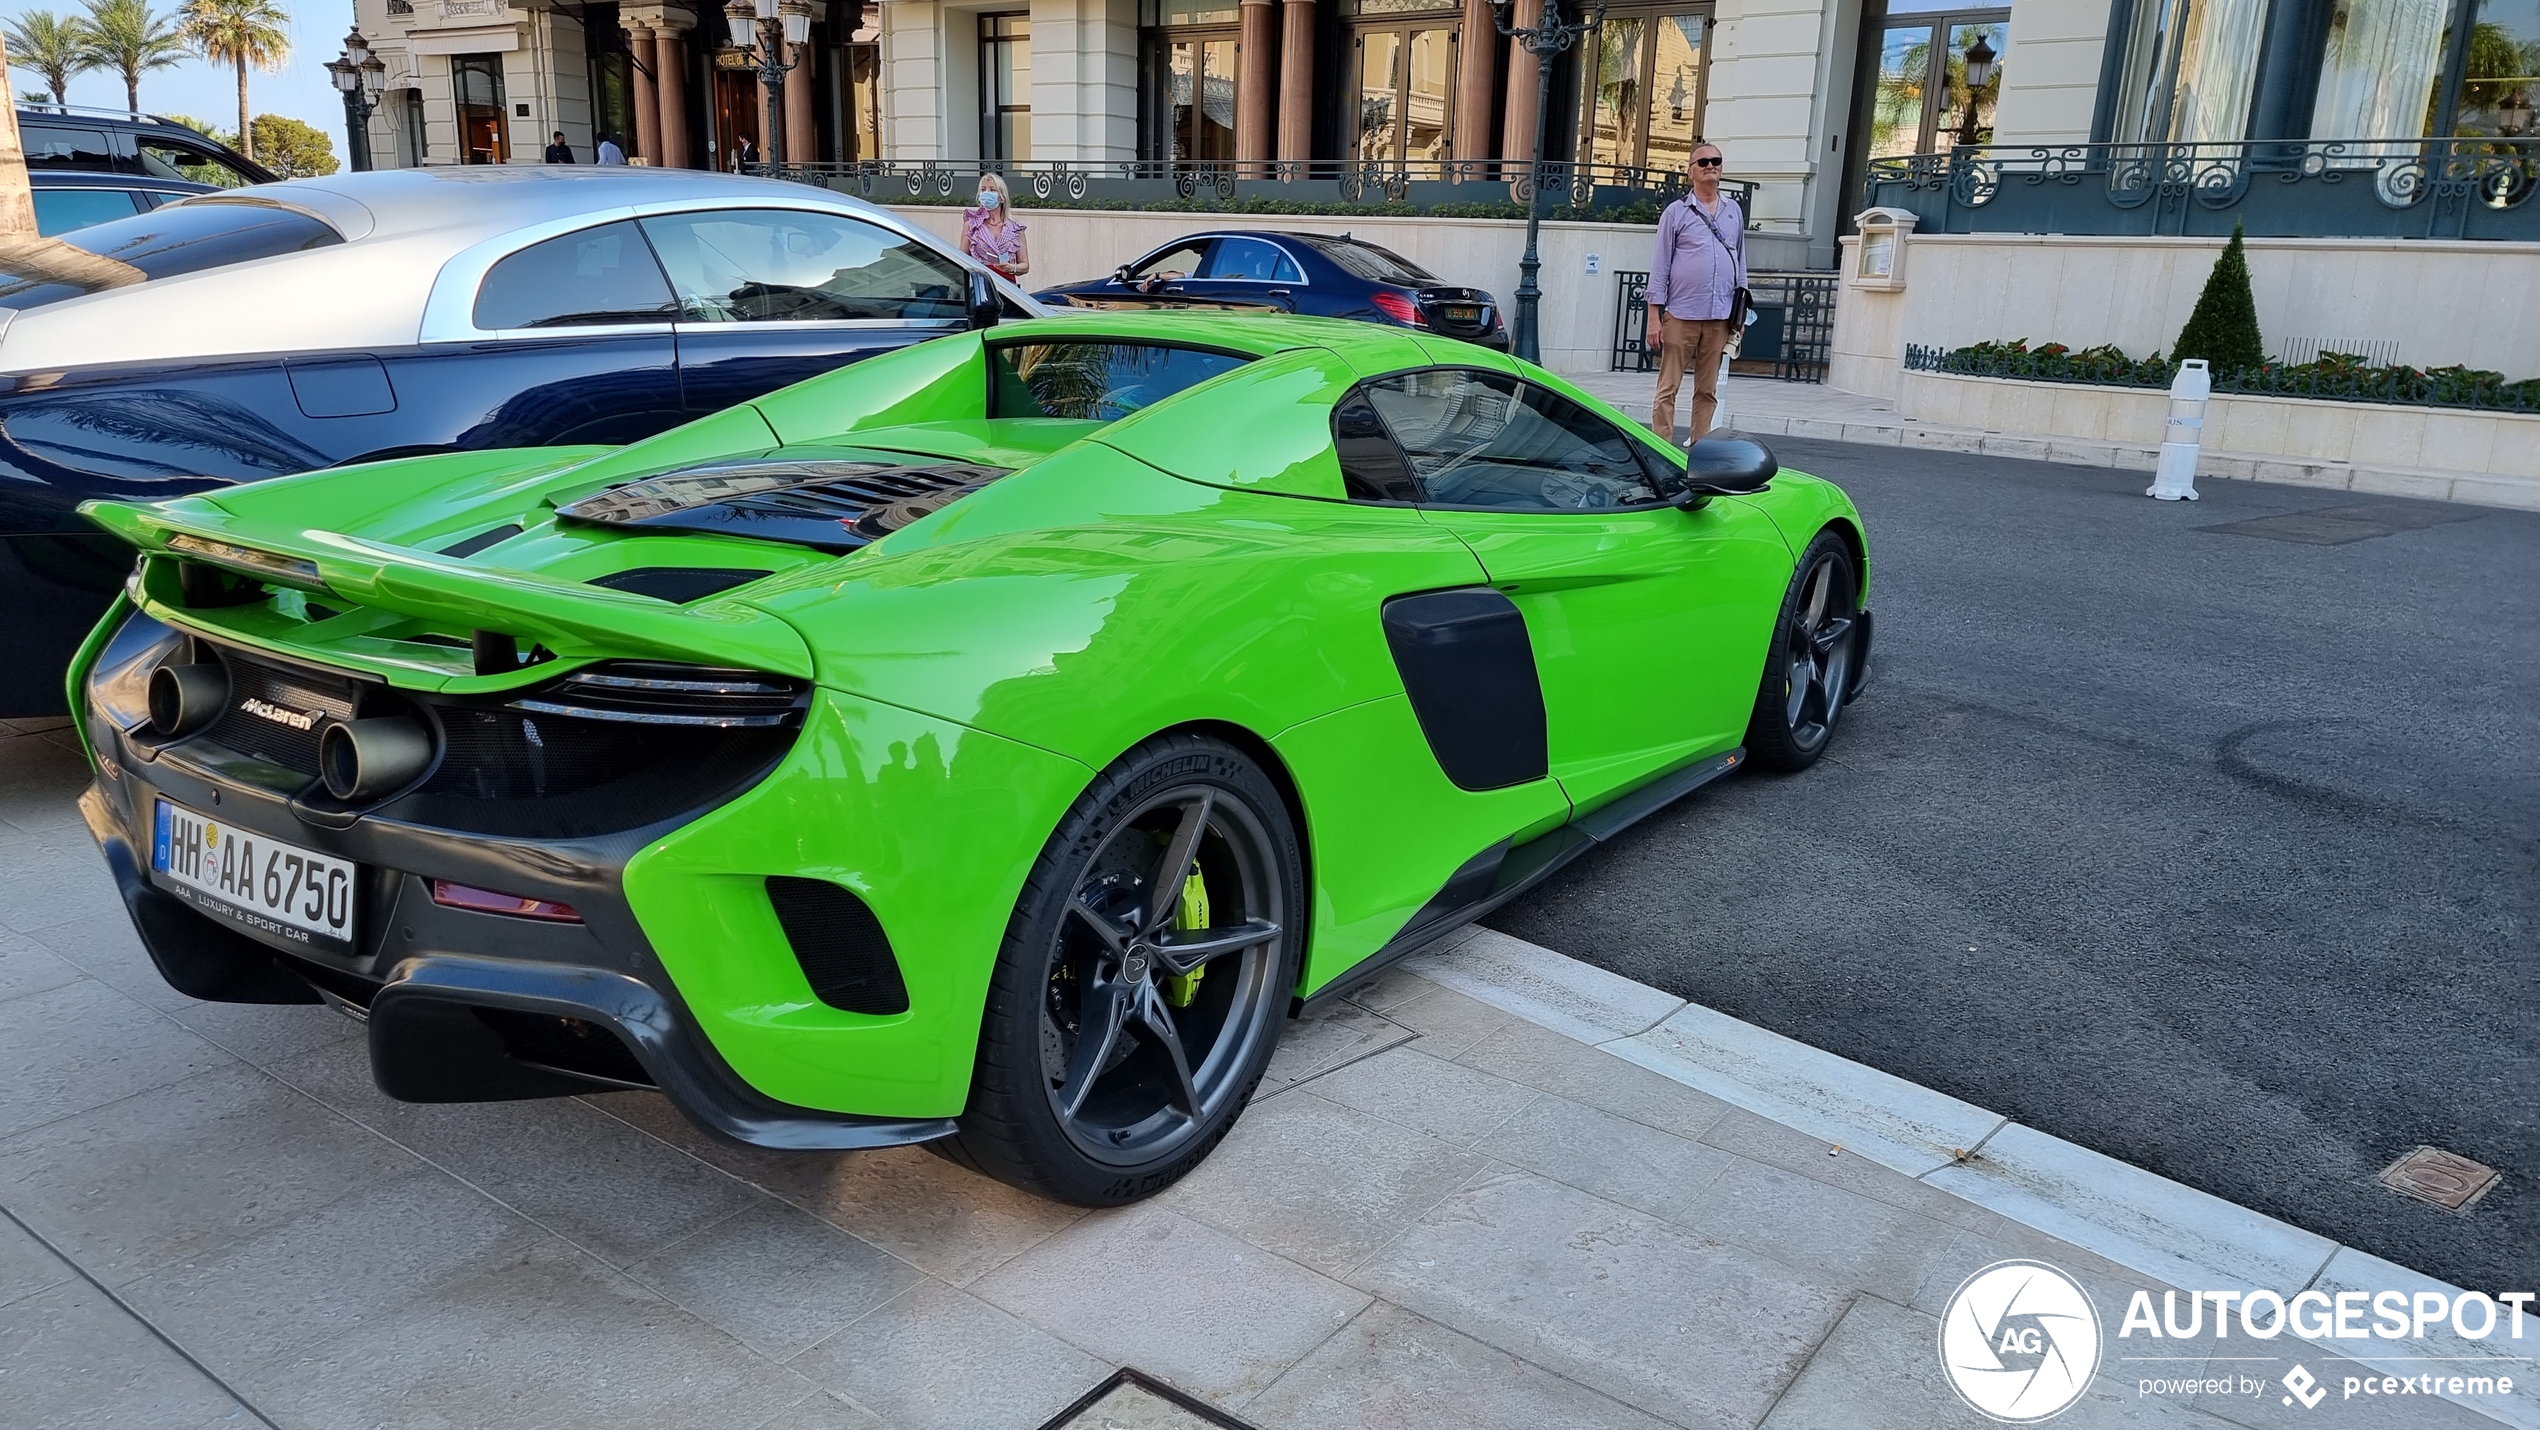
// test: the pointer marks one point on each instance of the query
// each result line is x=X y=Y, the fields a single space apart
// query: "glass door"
x=1199 y=99
x=1005 y=88
x=1404 y=90
x=1645 y=107
x=1919 y=101
x=476 y=81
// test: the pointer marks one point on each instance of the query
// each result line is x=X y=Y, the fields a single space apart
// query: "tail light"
x=487 y=901
x=1400 y=308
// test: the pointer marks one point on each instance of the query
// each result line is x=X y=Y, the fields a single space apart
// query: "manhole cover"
x=1133 y=1400
x=2439 y=1178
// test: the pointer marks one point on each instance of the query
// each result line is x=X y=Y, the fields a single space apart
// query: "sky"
x=301 y=89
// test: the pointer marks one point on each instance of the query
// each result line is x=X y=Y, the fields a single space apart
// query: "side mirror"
x=1726 y=466
x=1120 y=275
x=984 y=305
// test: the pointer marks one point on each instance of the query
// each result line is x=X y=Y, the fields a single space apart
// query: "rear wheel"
x=1810 y=669
x=1143 y=979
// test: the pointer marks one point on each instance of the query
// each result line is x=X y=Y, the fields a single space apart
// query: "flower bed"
x=2335 y=377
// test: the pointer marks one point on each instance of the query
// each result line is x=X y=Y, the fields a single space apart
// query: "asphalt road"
x=2211 y=852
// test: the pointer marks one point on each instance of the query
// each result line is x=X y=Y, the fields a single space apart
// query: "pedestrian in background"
x=1696 y=282
x=990 y=232
x=558 y=151
x=609 y=153
x=744 y=154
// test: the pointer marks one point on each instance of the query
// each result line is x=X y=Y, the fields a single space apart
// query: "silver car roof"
x=402 y=228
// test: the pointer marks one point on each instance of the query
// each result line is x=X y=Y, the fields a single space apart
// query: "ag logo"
x=2019 y=1341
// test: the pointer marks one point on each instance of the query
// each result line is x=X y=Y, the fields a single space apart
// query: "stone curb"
x=2137 y=1219
x=2212 y=465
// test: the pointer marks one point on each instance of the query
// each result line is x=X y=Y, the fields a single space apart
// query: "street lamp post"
x=1981 y=64
x=1544 y=39
x=361 y=76
x=758 y=25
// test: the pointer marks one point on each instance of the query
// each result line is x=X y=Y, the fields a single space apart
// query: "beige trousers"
x=1694 y=343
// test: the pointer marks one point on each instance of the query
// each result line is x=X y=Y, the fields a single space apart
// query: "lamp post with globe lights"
x=361 y=76
x=1982 y=64
x=1544 y=39
x=758 y=25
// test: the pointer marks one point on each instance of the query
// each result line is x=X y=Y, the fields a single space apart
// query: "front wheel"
x=1811 y=668
x=1143 y=979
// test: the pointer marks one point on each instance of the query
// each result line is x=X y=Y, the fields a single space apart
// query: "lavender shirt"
x=1692 y=276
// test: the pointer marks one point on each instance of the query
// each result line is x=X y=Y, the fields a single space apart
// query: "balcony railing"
x=1453 y=189
x=2318 y=188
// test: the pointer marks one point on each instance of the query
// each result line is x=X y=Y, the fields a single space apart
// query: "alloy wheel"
x=1818 y=652
x=1161 y=982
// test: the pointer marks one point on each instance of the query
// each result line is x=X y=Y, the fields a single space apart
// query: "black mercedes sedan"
x=1324 y=275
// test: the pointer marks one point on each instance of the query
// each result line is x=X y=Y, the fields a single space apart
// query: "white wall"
x=1576 y=313
x=1762 y=108
x=1084 y=79
x=913 y=108
x=2050 y=73
x=2443 y=302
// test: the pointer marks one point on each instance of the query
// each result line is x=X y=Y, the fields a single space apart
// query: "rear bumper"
x=460 y=1006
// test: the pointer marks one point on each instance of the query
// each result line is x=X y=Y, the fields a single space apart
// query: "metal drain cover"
x=2439 y=1178
x=1134 y=1400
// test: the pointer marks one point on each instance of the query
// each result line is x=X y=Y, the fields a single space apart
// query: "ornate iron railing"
x=1793 y=328
x=2318 y=188
x=2331 y=376
x=1457 y=189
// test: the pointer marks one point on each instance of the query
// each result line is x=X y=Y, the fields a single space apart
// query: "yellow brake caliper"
x=1193 y=915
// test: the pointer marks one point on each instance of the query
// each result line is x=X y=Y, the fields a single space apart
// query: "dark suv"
x=108 y=141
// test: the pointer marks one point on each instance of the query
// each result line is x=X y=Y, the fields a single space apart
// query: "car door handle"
x=1172 y=287
x=1281 y=293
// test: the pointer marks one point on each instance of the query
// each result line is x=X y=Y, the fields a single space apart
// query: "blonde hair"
x=1005 y=196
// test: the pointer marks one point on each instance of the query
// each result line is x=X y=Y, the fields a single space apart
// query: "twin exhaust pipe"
x=357 y=759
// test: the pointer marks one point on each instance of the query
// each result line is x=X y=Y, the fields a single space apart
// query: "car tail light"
x=487 y=901
x=1401 y=309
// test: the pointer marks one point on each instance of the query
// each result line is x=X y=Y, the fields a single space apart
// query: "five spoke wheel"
x=1815 y=661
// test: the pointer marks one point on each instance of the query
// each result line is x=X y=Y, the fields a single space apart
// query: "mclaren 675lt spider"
x=991 y=744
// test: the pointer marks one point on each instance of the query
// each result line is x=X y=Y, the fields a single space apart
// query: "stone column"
x=646 y=101
x=673 y=69
x=802 y=132
x=1296 y=82
x=1477 y=59
x=1254 y=140
x=1517 y=136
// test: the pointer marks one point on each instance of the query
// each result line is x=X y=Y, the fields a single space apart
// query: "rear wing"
x=502 y=611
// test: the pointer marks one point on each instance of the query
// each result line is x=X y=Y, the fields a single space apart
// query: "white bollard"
x=2175 y=479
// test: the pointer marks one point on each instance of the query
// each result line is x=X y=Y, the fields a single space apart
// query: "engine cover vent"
x=829 y=505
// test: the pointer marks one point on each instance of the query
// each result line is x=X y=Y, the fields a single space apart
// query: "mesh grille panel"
x=283 y=692
x=840 y=943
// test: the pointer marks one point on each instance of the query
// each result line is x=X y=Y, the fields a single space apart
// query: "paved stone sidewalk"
x=1435 y=1215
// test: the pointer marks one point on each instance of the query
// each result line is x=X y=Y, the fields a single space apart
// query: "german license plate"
x=1462 y=312
x=278 y=890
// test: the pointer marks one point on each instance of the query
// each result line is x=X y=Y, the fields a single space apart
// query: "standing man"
x=558 y=151
x=1693 y=283
x=608 y=152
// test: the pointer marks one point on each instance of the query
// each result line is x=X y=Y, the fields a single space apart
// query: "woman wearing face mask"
x=990 y=233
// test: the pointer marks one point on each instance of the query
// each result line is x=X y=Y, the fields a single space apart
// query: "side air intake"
x=840 y=945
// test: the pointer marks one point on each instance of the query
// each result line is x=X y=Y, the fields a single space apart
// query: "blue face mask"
x=988 y=198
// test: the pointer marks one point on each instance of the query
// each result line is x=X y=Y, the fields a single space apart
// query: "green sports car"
x=989 y=744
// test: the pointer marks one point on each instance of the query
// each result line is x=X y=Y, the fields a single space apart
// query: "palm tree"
x=239 y=33
x=53 y=47
x=126 y=37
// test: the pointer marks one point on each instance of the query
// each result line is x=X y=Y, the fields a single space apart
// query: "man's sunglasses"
x=1710 y=163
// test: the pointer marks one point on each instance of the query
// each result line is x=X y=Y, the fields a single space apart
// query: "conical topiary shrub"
x=2224 y=328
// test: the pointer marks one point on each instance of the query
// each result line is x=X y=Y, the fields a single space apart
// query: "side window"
x=598 y=275
x=59 y=146
x=61 y=210
x=794 y=266
x=1252 y=260
x=174 y=159
x=1481 y=439
x=1093 y=381
x=1177 y=262
x=1372 y=467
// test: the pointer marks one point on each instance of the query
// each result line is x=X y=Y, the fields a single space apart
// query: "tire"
x=1058 y=1109
x=1810 y=669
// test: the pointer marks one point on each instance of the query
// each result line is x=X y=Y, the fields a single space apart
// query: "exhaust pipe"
x=185 y=698
x=364 y=759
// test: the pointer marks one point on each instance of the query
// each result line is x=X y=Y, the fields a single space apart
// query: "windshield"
x=181 y=238
x=1376 y=265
